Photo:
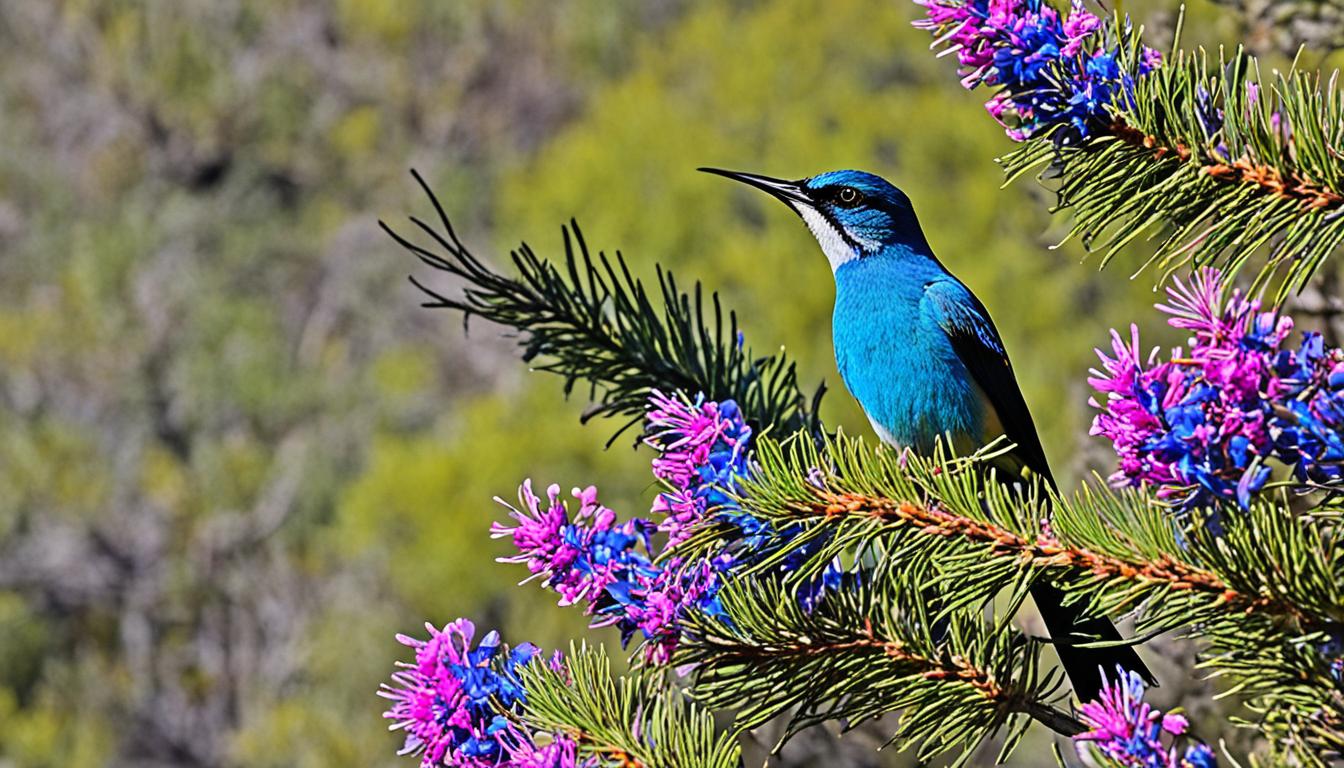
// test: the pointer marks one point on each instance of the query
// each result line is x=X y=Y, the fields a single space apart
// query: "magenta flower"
x=560 y=752
x=578 y=557
x=614 y=568
x=592 y=559
x=1125 y=729
x=453 y=701
x=702 y=454
x=1201 y=425
x=656 y=606
x=1080 y=28
x=1053 y=74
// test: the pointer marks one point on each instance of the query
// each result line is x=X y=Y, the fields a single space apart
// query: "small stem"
x=1054 y=718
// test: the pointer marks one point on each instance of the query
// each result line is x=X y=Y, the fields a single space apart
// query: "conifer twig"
x=864 y=650
x=590 y=320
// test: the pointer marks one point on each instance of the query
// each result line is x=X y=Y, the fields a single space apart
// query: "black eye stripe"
x=847 y=197
x=834 y=196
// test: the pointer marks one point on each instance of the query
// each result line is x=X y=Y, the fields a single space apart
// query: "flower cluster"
x=617 y=571
x=1050 y=72
x=453 y=702
x=702 y=455
x=703 y=458
x=592 y=558
x=1201 y=425
x=615 y=568
x=1129 y=732
x=578 y=556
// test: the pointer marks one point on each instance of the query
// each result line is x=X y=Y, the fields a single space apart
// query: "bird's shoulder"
x=978 y=345
x=960 y=314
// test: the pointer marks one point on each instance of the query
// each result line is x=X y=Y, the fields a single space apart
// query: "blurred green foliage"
x=792 y=89
x=235 y=457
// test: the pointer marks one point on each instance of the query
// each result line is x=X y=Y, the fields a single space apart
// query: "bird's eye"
x=848 y=196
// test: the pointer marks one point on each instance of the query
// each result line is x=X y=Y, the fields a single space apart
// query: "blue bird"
x=920 y=353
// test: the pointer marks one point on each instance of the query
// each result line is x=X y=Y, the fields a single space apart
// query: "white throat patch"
x=832 y=242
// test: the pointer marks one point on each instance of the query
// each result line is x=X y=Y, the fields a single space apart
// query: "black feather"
x=978 y=345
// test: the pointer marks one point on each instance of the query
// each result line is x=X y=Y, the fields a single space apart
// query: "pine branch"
x=1262 y=593
x=634 y=721
x=1122 y=551
x=864 y=651
x=1218 y=162
x=589 y=320
x=1282 y=677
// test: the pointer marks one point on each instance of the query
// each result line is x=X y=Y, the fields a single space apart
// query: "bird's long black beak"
x=788 y=191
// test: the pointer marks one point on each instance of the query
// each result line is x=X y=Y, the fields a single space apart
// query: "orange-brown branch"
x=618 y=757
x=1044 y=553
x=1134 y=137
x=1292 y=186
x=1006 y=697
x=951 y=669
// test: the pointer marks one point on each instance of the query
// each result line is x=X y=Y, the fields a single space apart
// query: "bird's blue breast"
x=895 y=357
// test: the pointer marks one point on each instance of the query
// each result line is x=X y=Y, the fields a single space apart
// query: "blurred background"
x=236 y=457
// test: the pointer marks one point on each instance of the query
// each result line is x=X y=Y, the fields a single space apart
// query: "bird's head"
x=852 y=214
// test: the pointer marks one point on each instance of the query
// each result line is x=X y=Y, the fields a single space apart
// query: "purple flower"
x=702 y=454
x=578 y=557
x=1130 y=732
x=1208 y=114
x=1050 y=72
x=1079 y=28
x=592 y=558
x=1200 y=426
x=453 y=700
x=656 y=606
x=703 y=457
x=614 y=568
x=560 y=752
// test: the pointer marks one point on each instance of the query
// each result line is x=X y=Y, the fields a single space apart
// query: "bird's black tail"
x=1067 y=627
x=1066 y=624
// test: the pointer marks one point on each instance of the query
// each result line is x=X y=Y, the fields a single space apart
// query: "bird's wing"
x=976 y=342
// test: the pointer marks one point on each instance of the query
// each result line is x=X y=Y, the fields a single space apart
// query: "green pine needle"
x=865 y=652
x=1262 y=596
x=634 y=721
x=588 y=320
x=1264 y=188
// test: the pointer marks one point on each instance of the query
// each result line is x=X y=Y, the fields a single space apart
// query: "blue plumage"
x=920 y=353
x=914 y=346
x=894 y=356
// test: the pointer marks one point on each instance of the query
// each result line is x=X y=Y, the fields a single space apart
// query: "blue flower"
x=1210 y=117
x=1208 y=425
x=452 y=701
x=1126 y=729
x=1054 y=74
x=1199 y=756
